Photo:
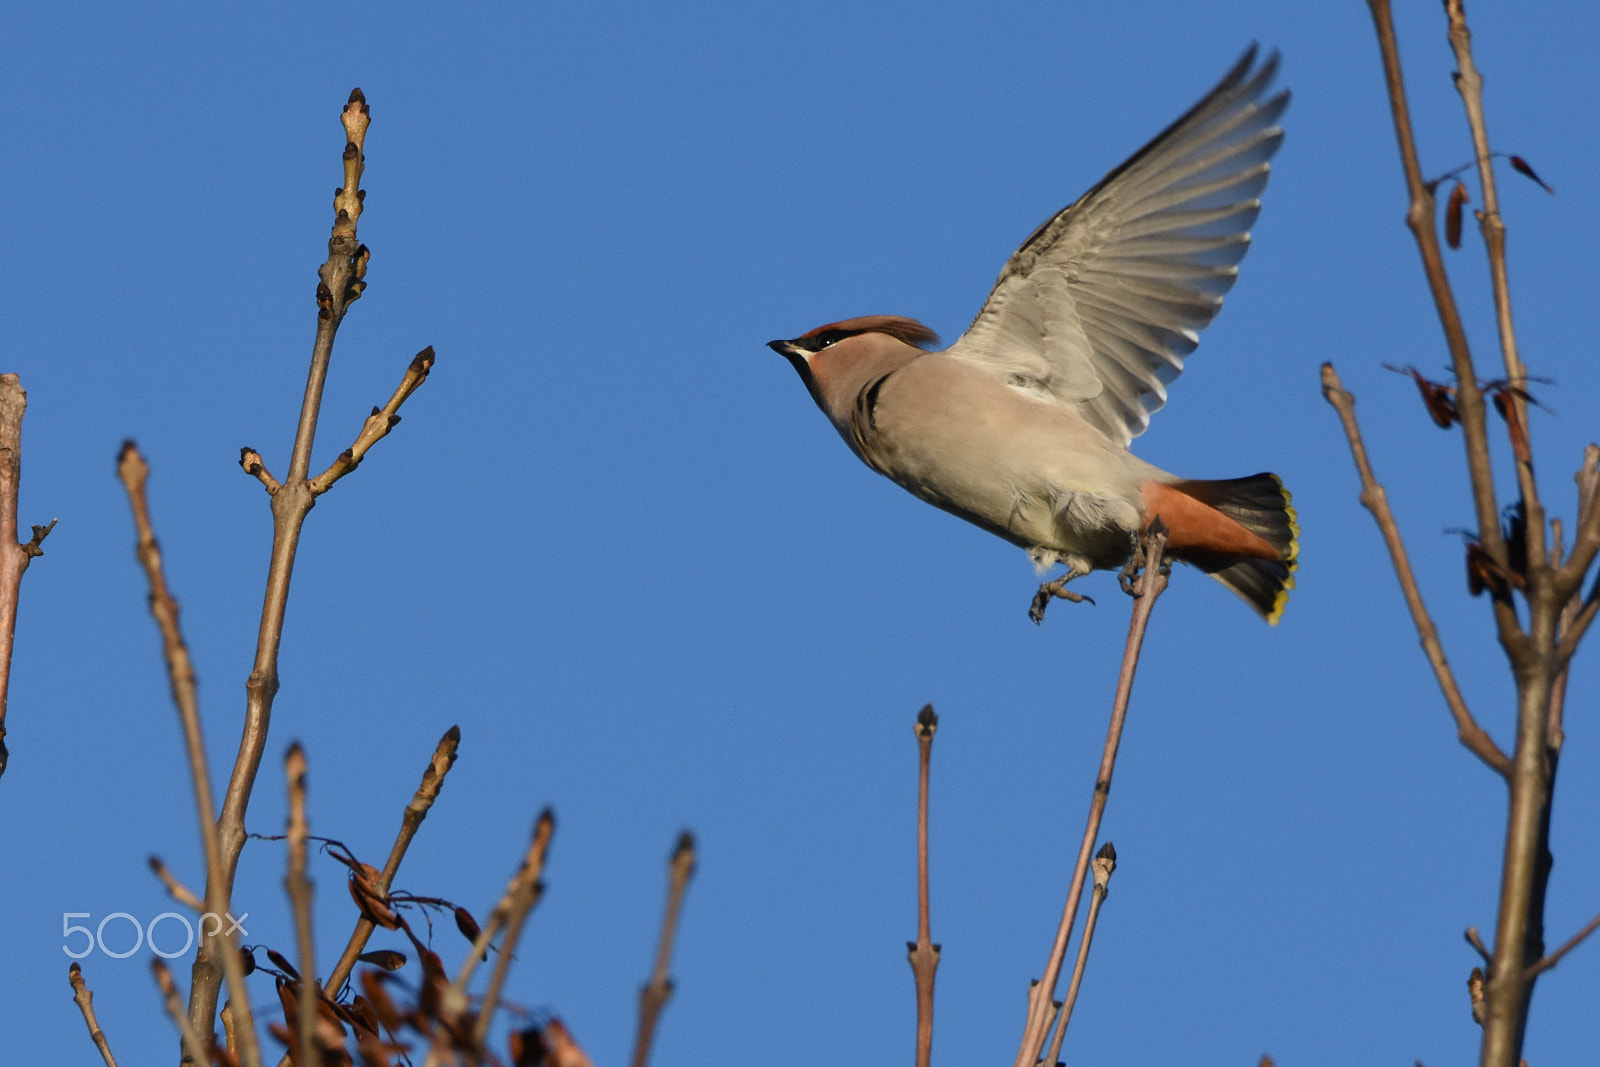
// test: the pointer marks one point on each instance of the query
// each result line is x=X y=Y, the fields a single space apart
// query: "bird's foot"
x=1050 y=591
x=1130 y=571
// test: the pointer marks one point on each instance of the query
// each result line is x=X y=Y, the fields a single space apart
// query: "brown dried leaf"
x=1484 y=573
x=527 y=1048
x=1440 y=399
x=282 y=963
x=434 y=982
x=1520 y=165
x=281 y=1033
x=1452 y=215
x=469 y=927
x=1514 y=527
x=380 y=1002
x=362 y=1014
x=387 y=958
x=374 y=904
x=563 y=1050
x=374 y=1053
x=1516 y=429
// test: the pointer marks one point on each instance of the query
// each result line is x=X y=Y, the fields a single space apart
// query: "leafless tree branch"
x=176 y=889
x=135 y=474
x=298 y=886
x=1375 y=500
x=923 y=953
x=1571 y=943
x=1420 y=218
x=1041 y=996
x=195 y=1047
x=14 y=556
x=444 y=757
x=655 y=994
x=1105 y=862
x=82 y=996
x=342 y=280
x=1538 y=654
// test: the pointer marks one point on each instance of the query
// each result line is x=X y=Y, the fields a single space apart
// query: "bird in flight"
x=1023 y=425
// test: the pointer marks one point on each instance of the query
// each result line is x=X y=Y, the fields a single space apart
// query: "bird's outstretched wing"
x=1100 y=306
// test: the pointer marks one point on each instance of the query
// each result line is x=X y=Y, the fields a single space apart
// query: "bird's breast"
x=1027 y=469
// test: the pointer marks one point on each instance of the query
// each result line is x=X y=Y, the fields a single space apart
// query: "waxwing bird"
x=1023 y=425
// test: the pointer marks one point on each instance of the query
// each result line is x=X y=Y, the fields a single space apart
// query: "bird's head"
x=837 y=360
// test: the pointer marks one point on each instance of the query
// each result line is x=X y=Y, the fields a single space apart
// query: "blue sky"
x=616 y=543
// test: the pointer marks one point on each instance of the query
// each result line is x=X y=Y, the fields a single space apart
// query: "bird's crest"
x=899 y=327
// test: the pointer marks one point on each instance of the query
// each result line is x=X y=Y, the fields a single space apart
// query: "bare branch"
x=923 y=953
x=521 y=894
x=256 y=467
x=444 y=757
x=14 y=557
x=342 y=280
x=82 y=996
x=378 y=424
x=1105 y=862
x=513 y=911
x=298 y=886
x=194 y=1045
x=1572 y=942
x=1469 y=398
x=1042 y=994
x=1576 y=619
x=176 y=889
x=1469 y=83
x=1375 y=500
x=653 y=997
x=135 y=474
x=1471 y=934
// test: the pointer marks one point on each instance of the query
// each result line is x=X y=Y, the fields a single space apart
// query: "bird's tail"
x=1262 y=506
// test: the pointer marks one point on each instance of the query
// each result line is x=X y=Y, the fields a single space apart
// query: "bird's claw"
x=1048 y=592
x=1130 y=571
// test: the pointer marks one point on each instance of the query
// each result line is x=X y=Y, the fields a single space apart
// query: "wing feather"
x=1099 y=307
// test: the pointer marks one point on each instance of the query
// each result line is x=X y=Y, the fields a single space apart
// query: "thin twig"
x=1105 y=862
x=14 y=556
x=1469 y=83
x=1375 y=500
x=1059 y=1031
x=1519 y=933
x=1573 y=622
x=84 y=998
x=1420 y=218
x=522 y=893
x=378 y=424
x=530 y=887
x=256 y=467
x=175 y=889
x=342 y=280
x=341 y=283
x=1572 y=942
x=655 y=994
x=1151 y=583
x=135 y=474
x=298 y=886
x=1576 y=618
x=1473 y=939
x=923 y=953
x=444 y=757
x=195 y=1047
